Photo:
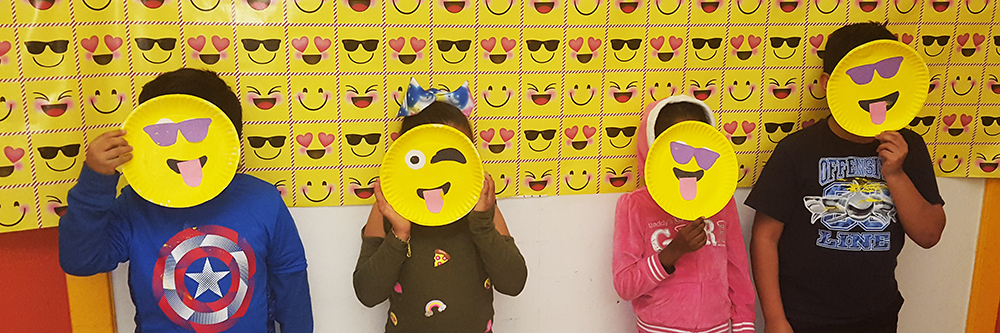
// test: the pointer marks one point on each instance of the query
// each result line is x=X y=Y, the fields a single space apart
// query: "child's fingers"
x=700 y=233
x=686 y=230
x=379 y=198
x=110 y=134
x=486 y=187
x=699 y=240
x=889 y=136
x=698 y=225
x=490 y=187
x=122 y=159
x=118 y=151
x=116 y=141
x=694 y=226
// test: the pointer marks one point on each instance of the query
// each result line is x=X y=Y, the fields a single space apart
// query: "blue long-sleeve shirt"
x=209 y=268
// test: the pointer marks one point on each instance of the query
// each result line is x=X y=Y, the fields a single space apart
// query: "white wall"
x=566 y=242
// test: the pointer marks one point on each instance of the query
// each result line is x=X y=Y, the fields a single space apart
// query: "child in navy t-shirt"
x=832 y=212
x=233 y=263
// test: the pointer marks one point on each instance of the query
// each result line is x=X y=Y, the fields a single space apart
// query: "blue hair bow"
x=417 y=99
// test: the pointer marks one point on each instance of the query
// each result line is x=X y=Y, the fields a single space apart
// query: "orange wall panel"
x=33 y=296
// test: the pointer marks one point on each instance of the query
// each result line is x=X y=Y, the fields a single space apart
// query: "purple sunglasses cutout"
x=165 y=134
x=887 y=68
x=683 y=153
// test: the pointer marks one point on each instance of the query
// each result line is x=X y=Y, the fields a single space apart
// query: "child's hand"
x=108 y=151
x=400 y=225
x=488 y=197
x=892 y=151
x=691 y=237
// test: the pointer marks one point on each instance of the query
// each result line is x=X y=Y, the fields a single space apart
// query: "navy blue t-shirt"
x=837 y=251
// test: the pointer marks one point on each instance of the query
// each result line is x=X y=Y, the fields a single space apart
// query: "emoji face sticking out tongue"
x=879 y=86
x=185 y=150
x=691 y=170
x=432 y=175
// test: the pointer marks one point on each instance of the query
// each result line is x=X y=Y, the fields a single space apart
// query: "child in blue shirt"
x=233 y=263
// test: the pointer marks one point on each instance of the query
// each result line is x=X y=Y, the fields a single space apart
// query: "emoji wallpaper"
x=558 y=85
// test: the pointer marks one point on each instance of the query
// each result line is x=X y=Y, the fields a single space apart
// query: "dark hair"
x=849 y=37
x=438 y=113
x=199 y=83
x=672 y=113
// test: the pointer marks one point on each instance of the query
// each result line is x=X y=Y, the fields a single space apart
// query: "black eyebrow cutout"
x=448 y=154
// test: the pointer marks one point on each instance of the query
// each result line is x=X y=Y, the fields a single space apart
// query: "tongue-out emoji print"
x=691 y=170
x=877 y=87
x=432 y=175
x=186 y=150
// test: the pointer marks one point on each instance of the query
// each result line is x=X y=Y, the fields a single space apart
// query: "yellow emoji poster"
x=557 y=87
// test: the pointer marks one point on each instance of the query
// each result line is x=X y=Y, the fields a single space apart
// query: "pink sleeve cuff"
x=743 y=327
x=655 y=268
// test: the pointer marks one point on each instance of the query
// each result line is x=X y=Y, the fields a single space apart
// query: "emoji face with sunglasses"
x=879 y=86
x=57 y=155
x=264 y=55
x=699 y=44
x=185 y=150
x=536 y=45
x=988 y=122
x=691 y=170
x=155 y=52
x=621 y=53
x=360 y=52
x=47 y=55
x=258 y=142
x=922 y=121
x=454 y=52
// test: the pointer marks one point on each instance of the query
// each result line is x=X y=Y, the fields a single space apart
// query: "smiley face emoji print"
x=432 y=175
x=185 y=150
x=879 y=86
x=691 y=170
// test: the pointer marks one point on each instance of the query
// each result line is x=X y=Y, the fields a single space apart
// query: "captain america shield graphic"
x=203 y=278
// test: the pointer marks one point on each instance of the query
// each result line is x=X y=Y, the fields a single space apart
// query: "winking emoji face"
x=691 y=170
x=432 y=175
x=185 y=150
x=877 y=87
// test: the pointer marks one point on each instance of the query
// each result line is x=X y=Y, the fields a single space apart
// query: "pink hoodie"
x=710 y=289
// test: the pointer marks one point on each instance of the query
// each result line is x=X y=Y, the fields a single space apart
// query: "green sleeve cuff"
x=395 y=243
x=482 y=222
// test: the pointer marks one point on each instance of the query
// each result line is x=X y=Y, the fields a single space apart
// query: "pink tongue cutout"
x=877 y=111
x=190 y=172
x=434 y=200
x=688 y=187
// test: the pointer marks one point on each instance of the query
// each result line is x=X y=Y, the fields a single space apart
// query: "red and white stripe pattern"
x=724 y=327
x=656 y=270
x=743 y=327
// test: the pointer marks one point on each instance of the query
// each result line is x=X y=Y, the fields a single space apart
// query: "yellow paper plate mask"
x=691 y=170
x=879 y=86
x=432 y=175
x=185 y=150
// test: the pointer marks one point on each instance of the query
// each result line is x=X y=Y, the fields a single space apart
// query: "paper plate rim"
x=230 y=174
x=837 y=76
x=653 y=174
x=392 y=196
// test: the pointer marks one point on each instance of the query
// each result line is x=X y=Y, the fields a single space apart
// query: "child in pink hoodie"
x=681 y=276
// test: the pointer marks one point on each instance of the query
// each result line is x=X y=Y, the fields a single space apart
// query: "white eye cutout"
x=415 y=159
